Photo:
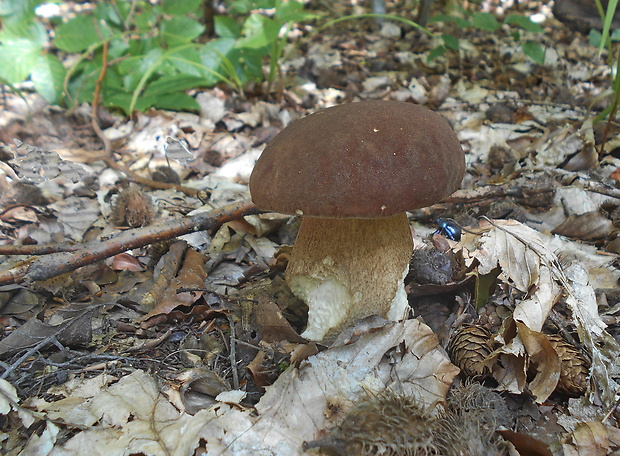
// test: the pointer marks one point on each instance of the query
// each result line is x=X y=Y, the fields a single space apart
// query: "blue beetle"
x=449 y=228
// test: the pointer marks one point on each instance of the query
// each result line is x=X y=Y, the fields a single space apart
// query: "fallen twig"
x=60 y=263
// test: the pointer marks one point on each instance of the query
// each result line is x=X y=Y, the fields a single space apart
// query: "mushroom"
x=352 y=171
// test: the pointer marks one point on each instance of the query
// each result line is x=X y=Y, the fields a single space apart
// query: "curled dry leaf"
x=9 y=402
x=603 y=349
x=545 y=362
x=531 y=266
x=191 y=275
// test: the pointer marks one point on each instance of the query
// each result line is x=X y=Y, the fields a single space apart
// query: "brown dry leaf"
x=38 y=165
x=272 y=324
x=20 y=214
x=76 y=215
x=9 y=401
x=589 y=226
x=528 y=261
x=131 y=416
x=534 y=310
x=600 y=345
x=164 y=273
x=296 y=407
x=191 y=275
x=498 y=246
x=591 y=438
x=526 y=444
x=128 y=417
x=544 y=360
x=405 y=356
x=71 y=327
x=511 y=371
x=257 y=370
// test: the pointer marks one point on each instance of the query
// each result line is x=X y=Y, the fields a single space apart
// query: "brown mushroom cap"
x=365 y=159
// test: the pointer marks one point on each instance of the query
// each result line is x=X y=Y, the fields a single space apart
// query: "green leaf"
x=146 y=20
x=212 y=56
x=442 y=18
x=258 y=31
x=17 y=58
x=121 y=100
x=180 y=30
x=175 y=83
x=450 y=41
x=245 y=6
x=534 y=51
x=80 y=33
x=181 y=7
x=485 y=21
x=459 y=21
x=462 y=22
x=186 y=60
x=523 y=22
x=27 y=30
x=226 y=27
x=174 y=101
x=13 y=11
x=437 y=52
x=609 y=17
x=595 y=38
x=179 y=101
x=483 y=286
x=48 y=76
x=292 y=11
x=106 y=12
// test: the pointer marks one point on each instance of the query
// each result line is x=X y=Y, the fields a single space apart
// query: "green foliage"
x=489 y=23
x=605 y=40
x=152 y=52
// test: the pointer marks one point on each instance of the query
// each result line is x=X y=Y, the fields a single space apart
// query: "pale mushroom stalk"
x=355 y=265
x=351 y=171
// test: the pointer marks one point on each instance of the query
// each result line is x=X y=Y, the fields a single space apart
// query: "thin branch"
x=56 y=264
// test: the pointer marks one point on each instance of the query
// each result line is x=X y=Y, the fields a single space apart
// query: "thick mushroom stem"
x=347 y=269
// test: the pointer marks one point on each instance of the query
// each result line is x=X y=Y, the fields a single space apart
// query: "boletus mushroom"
x=351 y=172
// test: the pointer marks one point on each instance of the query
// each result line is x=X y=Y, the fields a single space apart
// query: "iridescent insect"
x=449 y=228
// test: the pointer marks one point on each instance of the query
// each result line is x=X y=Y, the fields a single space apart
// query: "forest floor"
x=143 y=308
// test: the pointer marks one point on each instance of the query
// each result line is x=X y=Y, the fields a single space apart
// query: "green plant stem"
x=276 y=54
x=230 y=69
x=612 y=109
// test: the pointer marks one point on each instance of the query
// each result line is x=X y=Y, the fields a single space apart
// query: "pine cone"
x=575 y=369
x=469 y=347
